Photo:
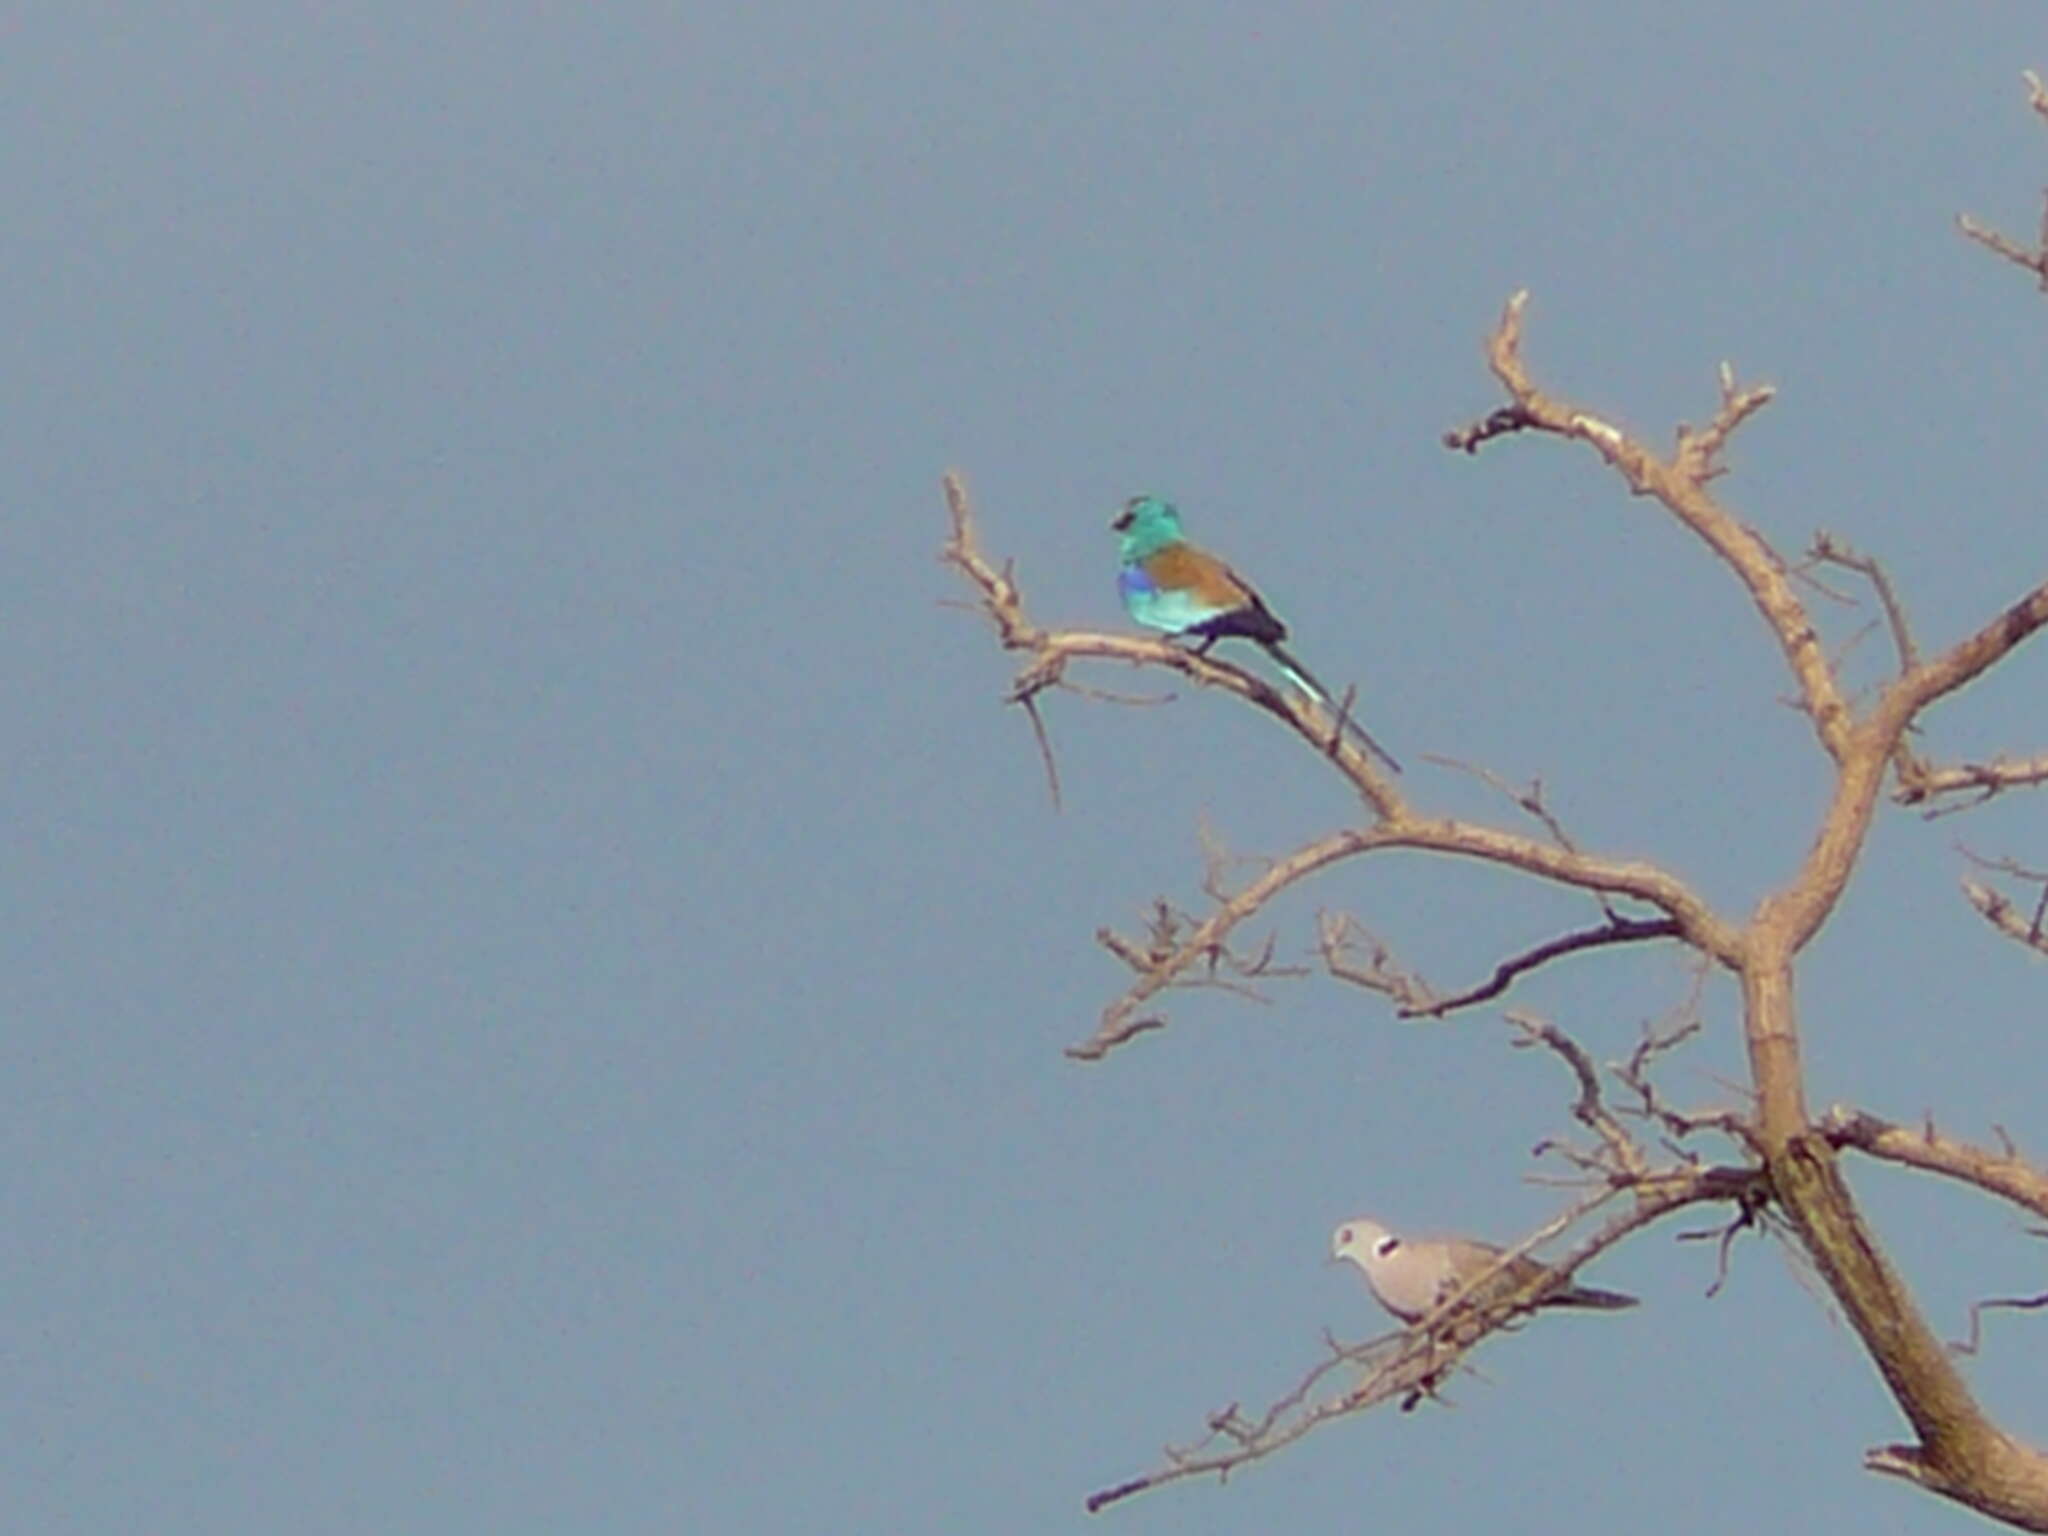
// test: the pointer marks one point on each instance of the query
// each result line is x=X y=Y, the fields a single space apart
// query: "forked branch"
x=1680 y=484
x=2036 y=259
x=2002 y=913
x=1685 y=915
x=1410 y=1366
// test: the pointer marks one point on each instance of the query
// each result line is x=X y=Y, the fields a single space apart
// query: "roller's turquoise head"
x=1148 y=524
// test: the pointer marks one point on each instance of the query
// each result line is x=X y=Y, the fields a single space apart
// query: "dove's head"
x=1364 y=1242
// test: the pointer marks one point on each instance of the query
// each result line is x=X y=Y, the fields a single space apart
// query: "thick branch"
x=2002 y=1479
x=1960 y=1453
x=1697 y=923
x=1963 y=662
x=1797 y=912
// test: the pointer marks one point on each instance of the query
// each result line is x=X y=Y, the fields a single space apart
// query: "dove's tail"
x=1589 y=1296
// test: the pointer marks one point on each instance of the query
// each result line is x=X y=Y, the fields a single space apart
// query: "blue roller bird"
x=1169 y=584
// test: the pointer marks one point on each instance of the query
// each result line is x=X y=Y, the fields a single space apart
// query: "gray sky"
x=535 y=962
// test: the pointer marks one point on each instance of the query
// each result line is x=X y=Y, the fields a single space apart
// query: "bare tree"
x=1773 y=1163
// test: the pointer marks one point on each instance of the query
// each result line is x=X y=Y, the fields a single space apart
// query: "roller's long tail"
x=1305 y=680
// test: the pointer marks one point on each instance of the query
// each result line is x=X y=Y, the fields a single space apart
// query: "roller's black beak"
x=1121 y=521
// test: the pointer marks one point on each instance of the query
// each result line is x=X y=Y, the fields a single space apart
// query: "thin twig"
x=2035 y=261
x=1617 y=930
x=1339 y=936
x=1590 y=1109
x=1832 y=551
x=1052 y=770
x=2021 y=1303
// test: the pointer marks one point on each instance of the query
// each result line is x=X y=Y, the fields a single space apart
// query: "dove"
x=1412 y=1277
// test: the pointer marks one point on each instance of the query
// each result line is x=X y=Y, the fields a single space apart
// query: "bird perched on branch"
x=1169 y=584
x=1412 y=1277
